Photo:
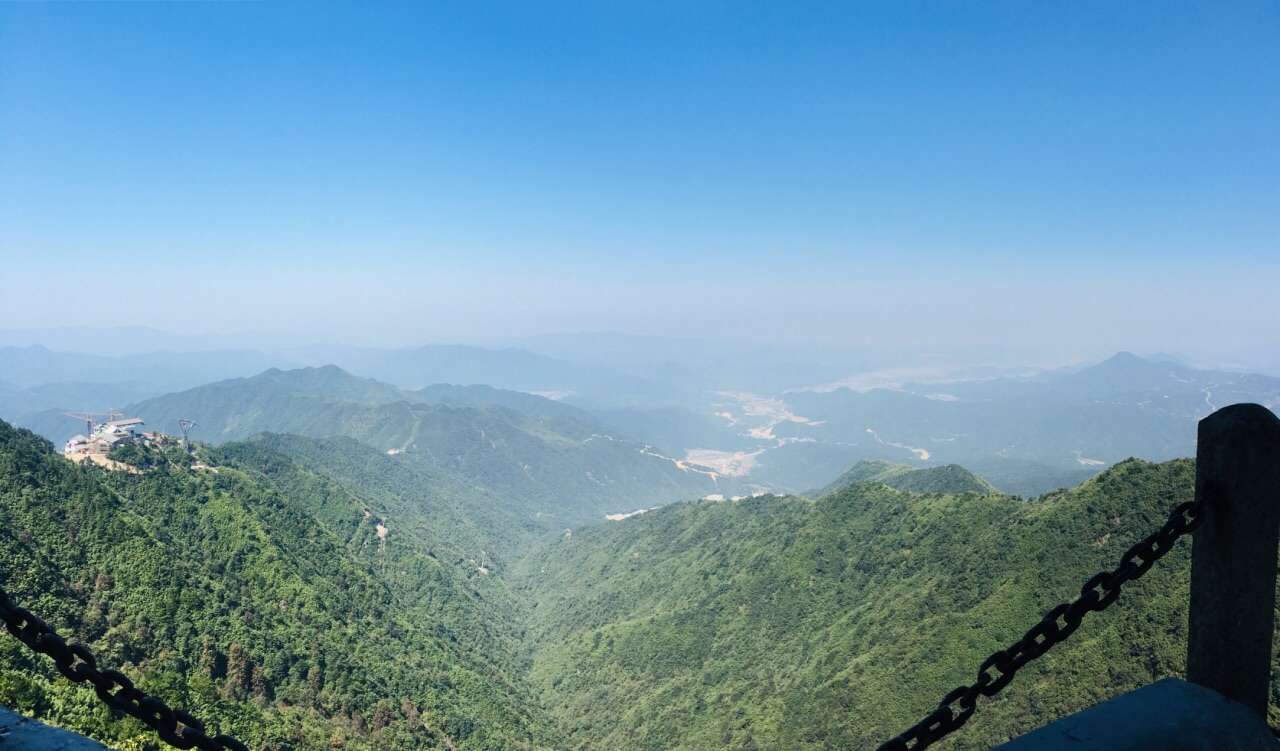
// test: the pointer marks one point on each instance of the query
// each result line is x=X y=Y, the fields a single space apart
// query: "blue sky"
x=1080 y=176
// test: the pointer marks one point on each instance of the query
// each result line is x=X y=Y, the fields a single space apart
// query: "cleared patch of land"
x=728 y=463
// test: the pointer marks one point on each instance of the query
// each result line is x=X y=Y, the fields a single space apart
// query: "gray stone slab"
x=1172 y=715
x=18 y=732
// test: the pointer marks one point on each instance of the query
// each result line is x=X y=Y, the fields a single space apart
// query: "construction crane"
x=186 y=426
x=88 y=418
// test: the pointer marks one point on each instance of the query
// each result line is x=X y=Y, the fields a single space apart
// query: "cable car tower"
x=186 y=426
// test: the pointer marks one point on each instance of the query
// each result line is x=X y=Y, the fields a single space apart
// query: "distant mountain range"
x=1025 y=431
x=325 y=591
x=405 y=554
x=516 y=369
x=555 y=459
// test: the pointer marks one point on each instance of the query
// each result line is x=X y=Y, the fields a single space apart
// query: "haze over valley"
x=593 y=554
x=572 y=376
x=1027 y=429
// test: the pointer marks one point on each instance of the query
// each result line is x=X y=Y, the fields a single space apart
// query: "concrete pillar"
x=1233 y=559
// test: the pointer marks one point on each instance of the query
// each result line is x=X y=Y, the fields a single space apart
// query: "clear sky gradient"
x=1077 y=176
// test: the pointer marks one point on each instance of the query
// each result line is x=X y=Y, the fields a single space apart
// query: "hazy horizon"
x=620 y=348
x=1053 y=183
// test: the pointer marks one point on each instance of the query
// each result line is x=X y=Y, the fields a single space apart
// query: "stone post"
x=1233 y=558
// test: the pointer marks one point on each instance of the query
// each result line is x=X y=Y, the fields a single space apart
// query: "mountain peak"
x=949 y=479
x=330 y=381
x=1124 y=357
x=1125 y=372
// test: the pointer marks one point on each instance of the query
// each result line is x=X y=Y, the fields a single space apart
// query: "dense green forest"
x=951 y=478
x=305 y=593
x=436 y=506
x=266 y=599
x=783 y=622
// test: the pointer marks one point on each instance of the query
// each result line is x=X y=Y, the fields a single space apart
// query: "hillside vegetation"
x=951 y=478
x=313 y=592
x=439 y=507
x=262 y=597
x=783 y=622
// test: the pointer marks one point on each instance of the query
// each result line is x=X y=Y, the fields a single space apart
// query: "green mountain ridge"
x=531 y=405
x=949 y=479
x=1024 y=431
x=440 y=506
x=556 y=466
x=353 y=580
x=263 y=598
x=784 y=622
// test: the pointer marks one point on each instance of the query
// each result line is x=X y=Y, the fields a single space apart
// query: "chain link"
x=1097 y=594
x=77 y=663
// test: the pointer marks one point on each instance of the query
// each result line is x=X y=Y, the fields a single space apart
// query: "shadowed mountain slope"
x=543 y=460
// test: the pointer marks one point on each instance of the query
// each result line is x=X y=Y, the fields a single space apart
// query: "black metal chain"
x=1097 y=593
x=76 y=662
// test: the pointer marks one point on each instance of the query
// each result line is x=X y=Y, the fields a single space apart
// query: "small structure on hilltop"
x=103 y=436
x=186 y=426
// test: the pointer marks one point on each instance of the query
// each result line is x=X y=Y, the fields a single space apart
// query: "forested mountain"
x=783 y=622
x=1027 y=478
x=427 y=531
x=1126 y=373
x=532 y=405
x=264 y=598
x=755 y=416
x=556 y=467
x=950 y=479
x=439 y=506
x=271 y=393
x=307 y=591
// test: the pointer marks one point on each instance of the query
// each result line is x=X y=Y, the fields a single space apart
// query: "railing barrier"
x=1235 y=526
x=1233 y=554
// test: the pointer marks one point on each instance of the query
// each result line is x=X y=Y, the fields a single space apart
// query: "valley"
x=476 y=568
x=388 y=604
x=1026 y=429
x=614 y=376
